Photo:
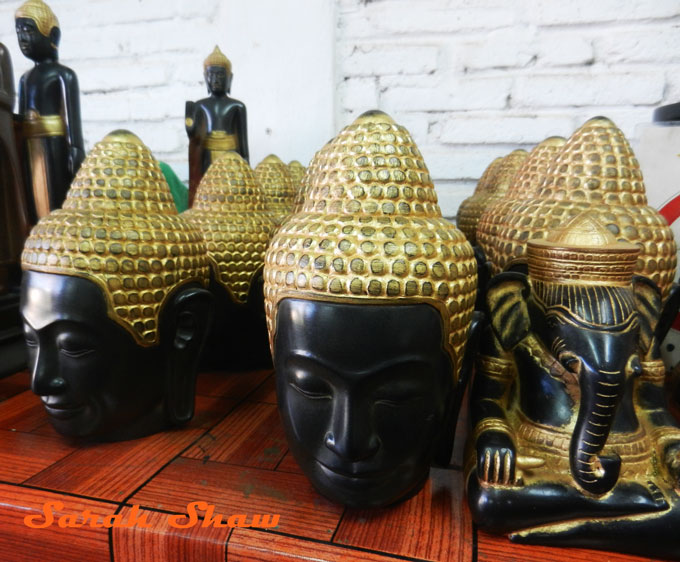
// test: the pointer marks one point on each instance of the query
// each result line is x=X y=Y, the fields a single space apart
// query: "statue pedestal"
x=12 y=345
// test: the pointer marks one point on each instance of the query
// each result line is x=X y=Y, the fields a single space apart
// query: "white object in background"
x=658 y=152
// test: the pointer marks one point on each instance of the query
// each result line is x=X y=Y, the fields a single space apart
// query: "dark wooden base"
x=233 y=455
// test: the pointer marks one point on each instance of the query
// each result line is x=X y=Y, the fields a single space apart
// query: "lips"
x=63 y=411
x=352 y=472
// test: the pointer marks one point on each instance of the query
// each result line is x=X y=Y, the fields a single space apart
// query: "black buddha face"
x=218 y=80
x=34 y=44
x=91 y=375
x=363 y=391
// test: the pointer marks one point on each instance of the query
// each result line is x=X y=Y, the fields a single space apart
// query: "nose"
x=45 y=380
x=351 y=436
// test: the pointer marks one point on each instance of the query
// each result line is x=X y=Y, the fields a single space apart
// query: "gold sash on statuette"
x=219 y=141
x=34 y=128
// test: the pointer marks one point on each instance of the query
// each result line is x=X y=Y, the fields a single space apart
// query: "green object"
x=180 y=192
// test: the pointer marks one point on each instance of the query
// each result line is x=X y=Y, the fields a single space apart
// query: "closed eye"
x=75 y=353
x=314 y=394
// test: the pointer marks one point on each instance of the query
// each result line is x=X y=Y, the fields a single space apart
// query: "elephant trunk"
x=600 y=395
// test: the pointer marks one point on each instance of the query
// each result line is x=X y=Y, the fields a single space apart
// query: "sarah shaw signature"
x=135 y=518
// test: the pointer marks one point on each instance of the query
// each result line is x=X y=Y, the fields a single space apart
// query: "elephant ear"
x=648 y=304
x=506 y=299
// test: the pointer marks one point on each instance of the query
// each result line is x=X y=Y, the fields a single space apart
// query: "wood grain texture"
x=20 y=543
x=433 y=525
x=210 y=410
x=167 y=543
x=14 y=384
x=266 y=392
x=22 y=412
x=249 y=545
x=230 y=385
x=112 y=471
x=493 y=548
x=235 y=489
x=289 y=464
x=23 y=455
x=250 y=436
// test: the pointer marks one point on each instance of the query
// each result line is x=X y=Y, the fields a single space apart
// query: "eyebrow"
x=392 y=362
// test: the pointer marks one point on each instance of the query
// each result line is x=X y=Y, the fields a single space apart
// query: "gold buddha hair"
x=40 y=13
x=120 y=229
x=230 y=211
x=594 y=171
x=277 y=185
x=217 y=58
x=371 y=231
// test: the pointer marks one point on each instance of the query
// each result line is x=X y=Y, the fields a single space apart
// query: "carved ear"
x=507 y=308
x=55 y=36
x=190 y=321
x=648 y=304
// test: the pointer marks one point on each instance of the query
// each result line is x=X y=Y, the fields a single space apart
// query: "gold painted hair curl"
x=229 y=209
x=371 y=231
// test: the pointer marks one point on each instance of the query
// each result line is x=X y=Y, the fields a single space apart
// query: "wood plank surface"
x=250 y=436
x=163 y=542
x=235 y=490
x=249 y=545
x=433 y=525
x=23 y=455
x=112 y=471
x=19 y=542
x=14 y=384
x=22 y=412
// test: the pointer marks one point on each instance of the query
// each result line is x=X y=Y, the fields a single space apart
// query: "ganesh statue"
x=573 y=442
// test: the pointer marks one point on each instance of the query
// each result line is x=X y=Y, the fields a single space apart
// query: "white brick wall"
x=138 y=61
x=471 y=79
x=491 y=75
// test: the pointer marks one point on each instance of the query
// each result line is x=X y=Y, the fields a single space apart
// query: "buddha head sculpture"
x=306 y=179
x=369 y=294
x=114 y=301
x=573 y=442
x=229 y=209
x=296 y=171
x=492 y=187
x=37 y=30
x=217 y=72
x=278 y=187
x=524 y=185
x=595 y=171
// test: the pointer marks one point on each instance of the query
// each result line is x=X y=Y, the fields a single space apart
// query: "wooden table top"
x=233 y=455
